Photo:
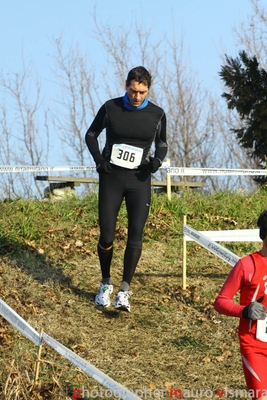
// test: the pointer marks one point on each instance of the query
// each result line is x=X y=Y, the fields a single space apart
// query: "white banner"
x=47 y=168
x=211 y=245
x=237 y=235
x=214 y=171
x=118 y=390
x=182 y=171
x=26 y=329
x=39 y=168
x=19 y=323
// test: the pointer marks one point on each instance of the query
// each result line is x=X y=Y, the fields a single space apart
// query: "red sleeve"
x=240 y=276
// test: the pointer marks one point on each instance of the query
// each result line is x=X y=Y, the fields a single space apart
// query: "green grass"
x=173 y=338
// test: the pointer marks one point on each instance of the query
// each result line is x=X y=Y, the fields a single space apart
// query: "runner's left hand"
x=255 y=310
x=153 y=164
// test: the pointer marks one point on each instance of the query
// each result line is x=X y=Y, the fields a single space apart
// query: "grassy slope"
x=173 y=338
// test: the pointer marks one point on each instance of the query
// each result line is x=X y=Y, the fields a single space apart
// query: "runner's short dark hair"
x=139 y=74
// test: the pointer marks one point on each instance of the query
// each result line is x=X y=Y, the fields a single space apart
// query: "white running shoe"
x=103 y=295
x=121 y=301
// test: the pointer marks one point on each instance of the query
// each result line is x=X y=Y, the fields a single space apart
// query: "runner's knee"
x=134 y=244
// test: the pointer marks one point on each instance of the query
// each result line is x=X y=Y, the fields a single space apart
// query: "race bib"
x=126 y=156
x=261 y=331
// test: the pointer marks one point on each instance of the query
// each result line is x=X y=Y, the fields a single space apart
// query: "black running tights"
x=135 y=188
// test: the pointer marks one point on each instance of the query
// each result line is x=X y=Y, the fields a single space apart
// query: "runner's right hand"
x=104 y=167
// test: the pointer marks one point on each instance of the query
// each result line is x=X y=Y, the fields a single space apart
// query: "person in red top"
x=249 y=276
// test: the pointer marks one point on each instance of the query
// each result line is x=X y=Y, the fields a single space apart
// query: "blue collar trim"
x=127 y=103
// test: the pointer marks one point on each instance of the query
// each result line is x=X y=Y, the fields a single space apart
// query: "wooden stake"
x=38 y=361
x=169 y=187
x=184 y=256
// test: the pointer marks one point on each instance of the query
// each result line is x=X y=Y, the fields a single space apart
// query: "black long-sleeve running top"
x=138 y=128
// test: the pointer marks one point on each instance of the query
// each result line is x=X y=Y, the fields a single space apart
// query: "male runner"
x=133 y=124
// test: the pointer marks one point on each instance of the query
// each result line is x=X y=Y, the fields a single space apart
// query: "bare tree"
x=23 y=142
x=77 y=102
x=251 y=35
x=193 y=134
x=199 y=124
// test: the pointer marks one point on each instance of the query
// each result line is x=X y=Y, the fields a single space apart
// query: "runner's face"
x=137 y=93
